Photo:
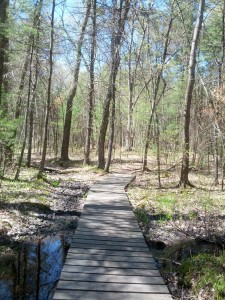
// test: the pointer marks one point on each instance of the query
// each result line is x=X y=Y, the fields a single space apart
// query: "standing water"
x=32 y=273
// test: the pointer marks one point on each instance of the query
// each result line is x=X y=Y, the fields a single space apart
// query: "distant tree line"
x=109 y=75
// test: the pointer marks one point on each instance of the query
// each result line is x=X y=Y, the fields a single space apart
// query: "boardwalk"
x=108 y=258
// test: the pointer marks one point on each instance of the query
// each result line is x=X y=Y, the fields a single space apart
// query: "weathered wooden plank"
x=112 y=287
x=110 y=252
x=110 y=219
x=117 y=199
x=109 y=242
x=110 y=231
x=108 y=206
x=90 y=295
x=107 y=237
x=108 y=226
x=104 y=215
x=114 y=271
x=109 y=264
x=109 y=247
x=114 y=224
x=112 y=278
x=101 y=212
x=97 y=257
x=115 y=228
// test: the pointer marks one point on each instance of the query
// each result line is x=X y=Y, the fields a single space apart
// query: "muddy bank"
x=188 y=260
x=34 y=239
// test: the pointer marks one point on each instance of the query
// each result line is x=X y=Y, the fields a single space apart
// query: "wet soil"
x=35 y=220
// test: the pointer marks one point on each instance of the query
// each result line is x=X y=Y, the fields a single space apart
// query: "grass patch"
x=205 y=271
x=177 y=202
x=17 y=191
x=141 y=215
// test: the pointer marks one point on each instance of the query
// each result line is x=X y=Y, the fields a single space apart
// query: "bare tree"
x=184 y=180
x=117 y=35
x=72 y=93
x=4 y=42
x=44 y=151
x=156 y=87
x=32 y=47
x=134 y=57
x=92 y=87
x=35 y=45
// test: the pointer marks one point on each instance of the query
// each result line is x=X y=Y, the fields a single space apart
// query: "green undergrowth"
x=204 y=272
x=141 y=215
x=177 y=203
x=27 y=189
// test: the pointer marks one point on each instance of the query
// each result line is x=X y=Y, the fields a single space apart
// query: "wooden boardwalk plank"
x=110 y=232
x=108 y=258
x=117 y=258
x=108 y=237
x=113 y=278
x=106 y=221
x=110 y=252
x=90 y=295
x=109 y=247
x=104 y=225
x=112 y=287
x=109 y=218
x=112 y=271
x=110 y=264
x=109 y=241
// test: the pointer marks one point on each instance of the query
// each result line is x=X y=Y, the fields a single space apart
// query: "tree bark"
x=184 y=180
x=112 y=132
x=116 y=44
x=4 y=44
x=92 y=88
x=72 y=93
x=132 y=77
x=44 y=151
x=158 y=150
x=35 y=46
x=156 y=97
x=26 y=120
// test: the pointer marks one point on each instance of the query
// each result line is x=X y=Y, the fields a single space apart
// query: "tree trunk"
x=215 y=155
x=116 y=43
x=132 y=76
x=184 y=180
x=156 y=98
x=44 y=149
x=26 y=120
x=158 y=151
x=220 y=72
x=92 y=88
x=72 y=93
x=130 y=126
x=4 y=43
x=35 y=46
x=112 y=131
x=36 y=24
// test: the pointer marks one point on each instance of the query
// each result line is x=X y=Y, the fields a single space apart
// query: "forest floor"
x=184 y=227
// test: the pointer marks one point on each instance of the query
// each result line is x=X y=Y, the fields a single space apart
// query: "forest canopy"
x=92 y=77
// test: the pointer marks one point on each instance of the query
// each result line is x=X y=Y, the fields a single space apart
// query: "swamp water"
x=32 y=272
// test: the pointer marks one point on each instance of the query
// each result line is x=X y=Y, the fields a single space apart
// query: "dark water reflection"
x=34 y=271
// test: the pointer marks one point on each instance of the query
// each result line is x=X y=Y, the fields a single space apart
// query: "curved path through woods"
x=108 y=258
